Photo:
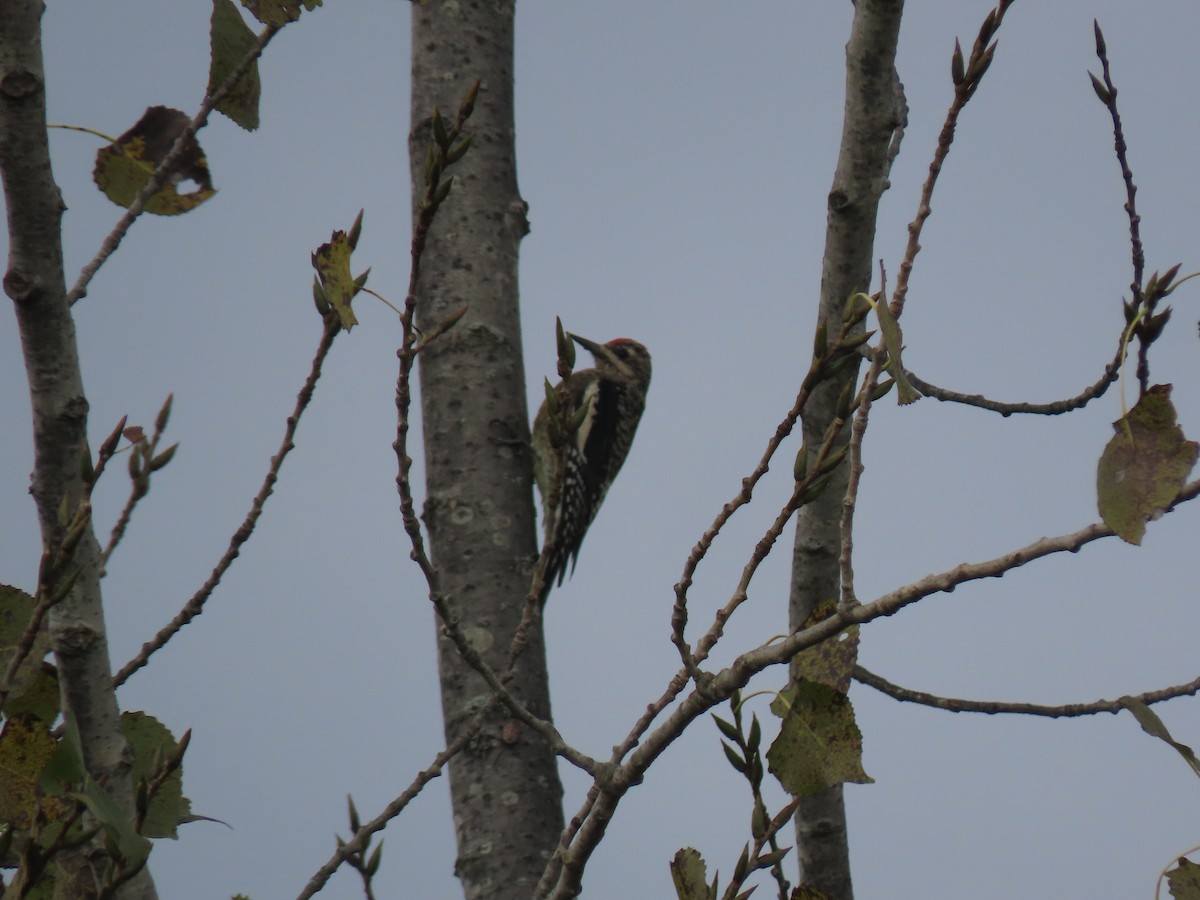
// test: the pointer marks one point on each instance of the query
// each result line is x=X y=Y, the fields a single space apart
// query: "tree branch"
x=195 y=605
x=113 y=239
x=564 y=874
x=1111 y=372
x=994 y=707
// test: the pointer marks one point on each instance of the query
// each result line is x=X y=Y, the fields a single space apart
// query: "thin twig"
x=589 y=825
x=195 y=605
x=850 y=500
x=1137 y=252
x=24 y=645
x=704 y=648
x=54 y=578
x=826 y=355
x=1142 y=302
x=162 y=172
x=139 y=477
x=393 y=809
x=539 y=589
x=435 y=191
x=990 y=707
x=741 y=591
x=967 y=77
x=857 y=432
x=1057 y=407
x=768 y=836
x=494 y=681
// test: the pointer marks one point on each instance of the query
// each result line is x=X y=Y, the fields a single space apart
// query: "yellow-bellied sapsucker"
x=614 y=393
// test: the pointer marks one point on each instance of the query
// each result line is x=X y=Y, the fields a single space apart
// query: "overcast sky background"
x=676 y=157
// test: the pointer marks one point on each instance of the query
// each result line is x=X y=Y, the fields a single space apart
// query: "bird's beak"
x=591 y=346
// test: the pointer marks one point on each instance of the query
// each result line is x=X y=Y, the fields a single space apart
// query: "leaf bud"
x=882 y=388
x=163 y=458
x=467 y=106
x=845 y=398
x=800 y=469
x=320 y=299
x=164 y=414
x=566 y=346
x=355 y=231
x=854 y=341
x=834 y=460
x=87 y=472
x=459 y=150
x=439 y=129
x=759 y=820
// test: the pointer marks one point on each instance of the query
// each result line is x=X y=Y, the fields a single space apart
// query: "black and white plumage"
x=615 y=394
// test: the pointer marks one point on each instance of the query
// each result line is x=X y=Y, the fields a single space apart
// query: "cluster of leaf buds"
x=967 y=75
x=446 y=149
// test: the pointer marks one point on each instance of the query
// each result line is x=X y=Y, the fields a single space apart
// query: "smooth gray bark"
x=505 y=790
x=35 y=282
x=874 y=111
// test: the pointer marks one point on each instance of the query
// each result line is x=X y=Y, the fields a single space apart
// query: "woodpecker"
x=615 y=395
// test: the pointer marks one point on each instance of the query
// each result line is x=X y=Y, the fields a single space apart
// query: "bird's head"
x=620 y=358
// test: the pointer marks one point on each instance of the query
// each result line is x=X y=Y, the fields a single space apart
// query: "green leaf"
x=152 y=742
x=1184 y=880
x=279 y=12
x=832 y=661
x=231 y=40
x=26 y=745
x=1144 y=465
x=38 y=698
x=65 y=768
x=125 y=166
x=129 y=846
x=16 y=610
x=819 y=744
x=338 y=286
x=689 y=874
x=1153 y=725
x=893 y=340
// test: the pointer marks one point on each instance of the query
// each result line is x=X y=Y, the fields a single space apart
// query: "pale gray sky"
x=676 y=157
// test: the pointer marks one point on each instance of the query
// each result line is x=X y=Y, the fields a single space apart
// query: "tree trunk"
x=874 y=112
x=505 y=789
x=35 y=282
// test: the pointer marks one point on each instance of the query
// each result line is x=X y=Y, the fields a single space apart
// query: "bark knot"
x=18 y=84
x=18 y=286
